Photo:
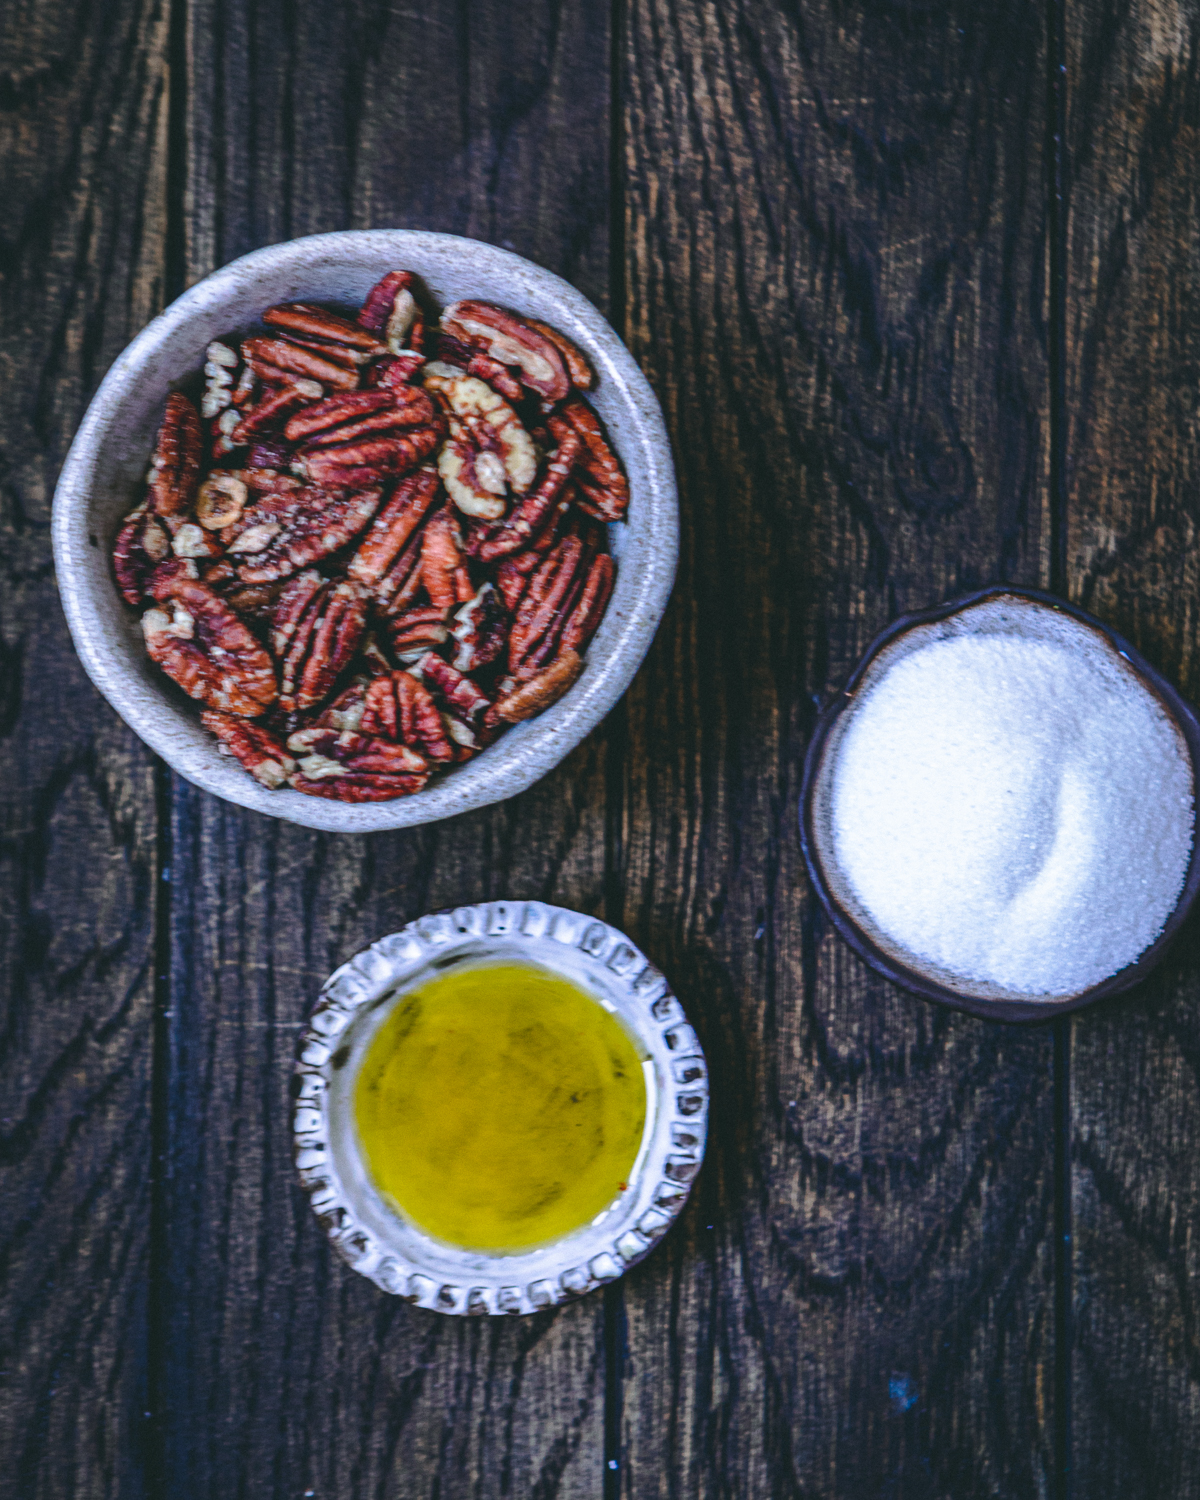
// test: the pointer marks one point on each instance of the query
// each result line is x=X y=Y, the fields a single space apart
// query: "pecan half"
x=543 y=604
x=346 y=710
x=358 y=788
x=315 y=633
x=393 y=526
x=320 y=525
x=358 y=412
x=459 y=693
x=400 y=707
x=604 y=486
x=140 y=546
x=584 y=619
x=347 y=750
x=392 y=310
x=316 y=322
x=367 y=461
x=416 y=632
x=492 y=427
x=220 y=361
x=221 y=500
x=175 y=469
x=255 y=747
x=201 y=644
x=443 y=569
x=511 y=341
x=532 y=697
x=284 y=355
x=274 y=408
x=535 y=509
x=397 y=371
x=582 y=376
x=480 y=629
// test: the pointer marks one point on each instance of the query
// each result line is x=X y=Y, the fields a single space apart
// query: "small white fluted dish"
x=105 y=470
x=399 y=1257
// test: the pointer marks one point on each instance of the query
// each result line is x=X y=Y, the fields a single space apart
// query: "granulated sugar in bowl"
x=1004 y=806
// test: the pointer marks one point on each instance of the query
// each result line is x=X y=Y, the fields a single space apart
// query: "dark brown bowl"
x=999 y=1009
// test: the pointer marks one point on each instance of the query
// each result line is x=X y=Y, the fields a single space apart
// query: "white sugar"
x=1009 y=808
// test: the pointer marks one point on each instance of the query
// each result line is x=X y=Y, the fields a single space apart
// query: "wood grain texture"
x=82 y=136
x=1133 y=325
x=835 y=250
x=283 y=1371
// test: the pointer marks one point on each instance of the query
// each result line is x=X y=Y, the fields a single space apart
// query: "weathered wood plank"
x=284 y=1371
x=836 y=241
x=1133 y=329
x=83 y=99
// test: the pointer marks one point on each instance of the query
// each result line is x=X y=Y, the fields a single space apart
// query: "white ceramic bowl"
x=396 y=1255
x=103 y=479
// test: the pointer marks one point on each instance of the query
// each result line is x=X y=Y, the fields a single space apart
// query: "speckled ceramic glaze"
x=105 y=469
x=395 y=1254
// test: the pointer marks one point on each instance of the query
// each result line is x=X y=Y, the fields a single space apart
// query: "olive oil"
x=499 y=1107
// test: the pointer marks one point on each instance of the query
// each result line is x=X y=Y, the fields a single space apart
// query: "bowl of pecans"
x=368 y=529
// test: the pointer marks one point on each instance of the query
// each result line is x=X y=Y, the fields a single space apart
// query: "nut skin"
x=359 y=788
x=510 y=341
x=272 y=410
x=581 y=374
x=498 y=376
x=585 y=618
x=290 y=358
x=543 y=604
x=370 y=459
x=459 y=693
x=343 y=417
x=203 y=646
x=175 y=469
x=391 y=309
x=480 y=631
x=315 y=632
x=256 y=748
x=443 y=568
x=533 y=511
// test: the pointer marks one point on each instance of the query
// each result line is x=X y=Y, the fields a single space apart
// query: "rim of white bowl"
x=397 y=1256
x=526 y=752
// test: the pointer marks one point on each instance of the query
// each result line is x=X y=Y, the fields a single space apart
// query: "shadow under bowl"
x=886 y=963
x=103 y=478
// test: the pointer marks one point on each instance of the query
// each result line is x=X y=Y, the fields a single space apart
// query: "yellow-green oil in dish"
x=499 y=1106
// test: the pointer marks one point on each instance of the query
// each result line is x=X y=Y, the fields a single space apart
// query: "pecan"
x=399 y=707
x=531 y=697
x=458 y=692
x=315 y=322
x=510 y=341
x=140 y=546
x=266 y=480
x=220 y=361
x=284 y=355
x=358 y=412
x=255 y=602
x=443 y=570
x=255 y=747
x=418 y=631
x=391 y=309
x=221 y=500
x=397 y=371
x=175 y=470
x=493 y=428
x=481 y=629
x=346 y=750
x=315 y=632
x=535 y=509
x=346 y=710
x=512 y=578
x=393 y=527
x=498 y=376
x=605 y=488
x=320 y=526
x=222 y=430
x=451 y=353
x=543 y=603
x=593 y=601
x=191 y=540
x=243 y=392
x=580 y=372
x=359 y=788
x=398 y=588
x=274 y=408
x=370 y=459
x=203 y=646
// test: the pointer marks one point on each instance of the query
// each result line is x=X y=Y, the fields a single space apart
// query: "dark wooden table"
x=918 y=285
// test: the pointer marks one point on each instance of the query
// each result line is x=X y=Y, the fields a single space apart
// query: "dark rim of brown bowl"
x=1181 y=714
